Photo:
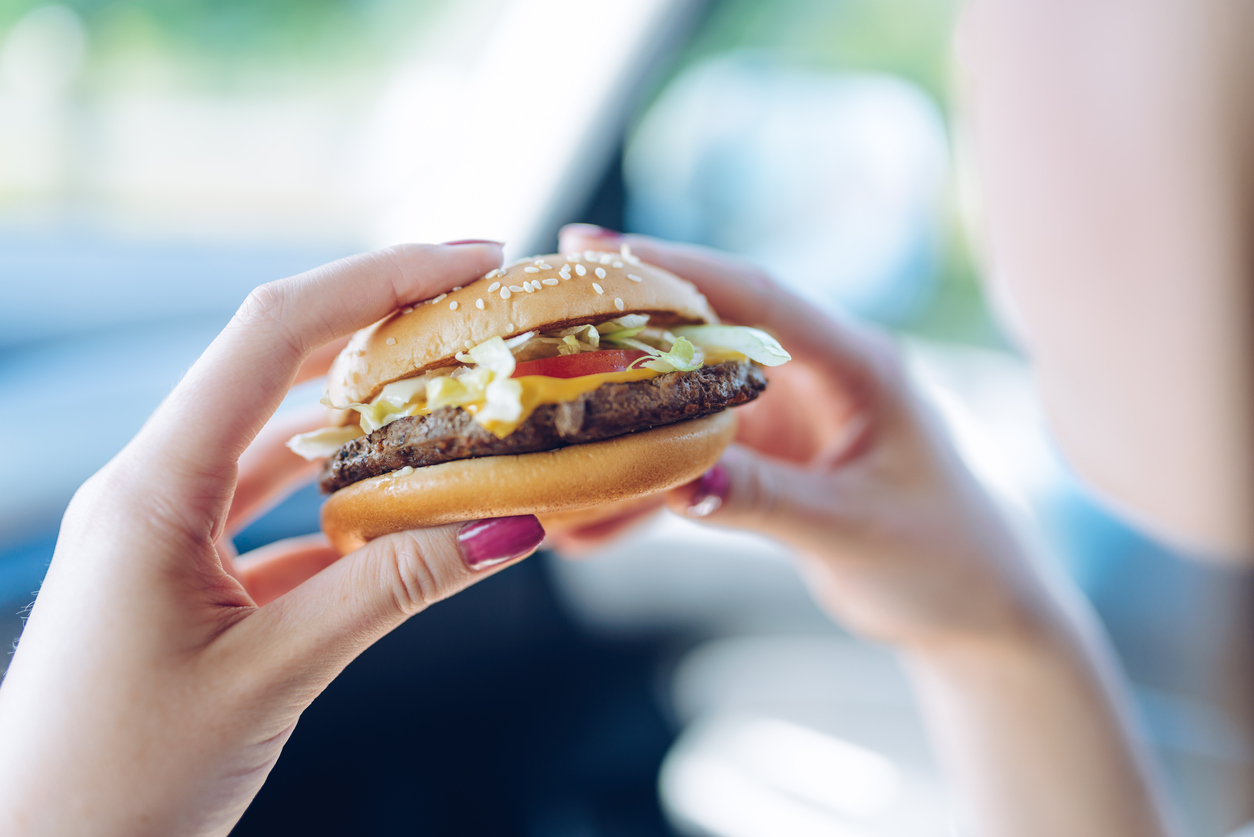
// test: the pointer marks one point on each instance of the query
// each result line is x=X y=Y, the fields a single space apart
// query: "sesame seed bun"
x=429 y=334
x=550 y=484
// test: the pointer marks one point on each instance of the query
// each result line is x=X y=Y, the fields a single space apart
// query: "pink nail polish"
x=592 y=231
x=474 y=241
x=486 y=543
x=711 y=492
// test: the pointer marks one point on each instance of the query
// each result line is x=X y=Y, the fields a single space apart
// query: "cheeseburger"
x=557 y=384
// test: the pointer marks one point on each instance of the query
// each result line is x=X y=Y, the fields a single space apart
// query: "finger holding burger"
x=841 y=460
x=158 y=677
x=567 y=386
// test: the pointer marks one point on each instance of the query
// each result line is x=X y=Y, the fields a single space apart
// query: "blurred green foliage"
x=911 y=39
x=302 y=46
x=237 y=44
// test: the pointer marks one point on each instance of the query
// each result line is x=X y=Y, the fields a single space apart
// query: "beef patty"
x=451 y=433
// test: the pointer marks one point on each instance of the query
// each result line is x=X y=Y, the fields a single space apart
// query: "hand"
x=841 y=460
x=159 y=676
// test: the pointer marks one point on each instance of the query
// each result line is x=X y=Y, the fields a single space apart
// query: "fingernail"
x=711 y=492
x=474 y=241
x=486 y=543
x=592 y=231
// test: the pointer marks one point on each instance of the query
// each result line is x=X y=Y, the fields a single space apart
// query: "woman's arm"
x=840 y=460
x=159 y=675
x=1035 y=732
x=1114 y=142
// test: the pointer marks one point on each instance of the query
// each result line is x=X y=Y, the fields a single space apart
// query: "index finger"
x=201 y=429
x=744 y=293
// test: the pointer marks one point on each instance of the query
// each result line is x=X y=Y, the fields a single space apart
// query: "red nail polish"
x=486 y=543
x=474 y=241
x=711 y=492
x=592 y=231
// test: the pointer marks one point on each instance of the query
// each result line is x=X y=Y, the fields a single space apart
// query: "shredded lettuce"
x=320 y=444
x=682 y=357
x=485 y=386
x=518 y=340
x=488 y=382
x=391 y=403
x=631 y=321
x=455 y=392
x=622 y=334
x=753 y=343
x=494 y=355
x=502 y=404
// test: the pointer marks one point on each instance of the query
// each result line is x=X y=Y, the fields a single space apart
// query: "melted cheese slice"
x=538 y=390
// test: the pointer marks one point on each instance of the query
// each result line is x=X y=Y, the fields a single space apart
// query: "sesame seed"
x=479 y=304
x=633 y=277
x=509 y=327
x=493 y=286
x=492 y=274
x=580 y=269
x=572 y=257
x=544 y=265
x=632 y=259
x=591 y=255
x=516 y=288
x=439 y=298
x=618 y=303
x=531 y=269
x=606 y=259
x=550 y=281
x=527 y=287
x=600 y=273
x=617 y=264
x=391 y=341
x=504 y=293
x=598 y=288
x=452 y=306
x=469 y=344
x=459 y=287
x=408 y=309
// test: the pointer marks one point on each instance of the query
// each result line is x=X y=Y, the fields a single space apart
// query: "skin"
x=1113 y=140
x=159 y=676
x=898 y=543
x=1113 y=143
x=1113 y=137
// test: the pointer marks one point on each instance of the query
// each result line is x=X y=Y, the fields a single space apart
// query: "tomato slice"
x=584 y=363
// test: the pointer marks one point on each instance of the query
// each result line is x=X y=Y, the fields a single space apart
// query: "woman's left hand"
x=159 y=675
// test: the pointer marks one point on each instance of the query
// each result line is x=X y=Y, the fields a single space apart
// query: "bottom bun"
x=546 y=483
x=566 y=521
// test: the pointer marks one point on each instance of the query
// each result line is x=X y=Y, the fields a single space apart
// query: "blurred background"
x=158 y=160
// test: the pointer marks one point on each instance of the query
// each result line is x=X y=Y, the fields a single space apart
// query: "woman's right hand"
x=840 y=460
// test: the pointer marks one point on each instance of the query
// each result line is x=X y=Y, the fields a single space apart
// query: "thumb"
x=310 y=633
x=748 y=491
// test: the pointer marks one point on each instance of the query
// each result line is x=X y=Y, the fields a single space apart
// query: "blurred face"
x=1115 y=145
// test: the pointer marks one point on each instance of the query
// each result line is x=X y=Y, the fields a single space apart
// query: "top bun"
x=428 y=334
